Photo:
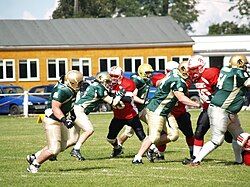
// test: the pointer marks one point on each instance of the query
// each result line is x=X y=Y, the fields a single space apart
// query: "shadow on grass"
x=86 y=168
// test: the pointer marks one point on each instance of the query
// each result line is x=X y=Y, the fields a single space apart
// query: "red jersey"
x=206 y=84
x=130 y=110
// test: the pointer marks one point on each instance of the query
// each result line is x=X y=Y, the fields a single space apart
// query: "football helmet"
x=116 y=74
x=73 y=79
x=104 y=78
x=145 y=71
x=183 y=70
x=171 y=65
x=244 y=141
x=238 y=61
x=196 y=65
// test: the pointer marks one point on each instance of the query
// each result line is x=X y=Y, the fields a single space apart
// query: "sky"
x=212 y=11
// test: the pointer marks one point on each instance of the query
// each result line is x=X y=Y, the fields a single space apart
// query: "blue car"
x=14 y=104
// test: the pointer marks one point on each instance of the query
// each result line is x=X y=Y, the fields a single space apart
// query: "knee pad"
x=55 y=150
x=129 y=132
x=111 y=141
x=173 y=137
x=141 y=135
x=218 y=139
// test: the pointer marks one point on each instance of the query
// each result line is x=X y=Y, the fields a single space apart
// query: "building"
x=217 y=50
x=35 y=52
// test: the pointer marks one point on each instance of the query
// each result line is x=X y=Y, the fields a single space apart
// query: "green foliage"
x=183 y=11
x=243 y=7
x=21 y=136
x=228 y=28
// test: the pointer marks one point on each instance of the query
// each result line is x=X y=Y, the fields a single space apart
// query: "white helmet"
x=73 y=79
x=116 y=74
x=244 y=141
x=171 y=65
x=196 y=65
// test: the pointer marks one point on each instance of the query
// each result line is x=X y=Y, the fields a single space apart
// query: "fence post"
x=25 y=104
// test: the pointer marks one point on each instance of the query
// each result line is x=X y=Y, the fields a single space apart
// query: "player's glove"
x=72 y=116
x=67 y=122
x=121 y=92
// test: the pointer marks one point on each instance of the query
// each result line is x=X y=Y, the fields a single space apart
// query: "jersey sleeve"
x=179 y=86
x=60 y=95
x=242 y=76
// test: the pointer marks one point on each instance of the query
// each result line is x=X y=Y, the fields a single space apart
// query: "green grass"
x=21 y=136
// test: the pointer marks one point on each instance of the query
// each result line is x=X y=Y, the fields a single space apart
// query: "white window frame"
x=180 y=58
x=80 y=64
x=108 y=62
x=57 y=67
x=133 y=62
x=5 y=79
x=29 y=78
x=157 y=59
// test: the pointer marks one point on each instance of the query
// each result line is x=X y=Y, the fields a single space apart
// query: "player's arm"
x=56 y=109
x=247 y=83
x=185 y=100
x=136 y=98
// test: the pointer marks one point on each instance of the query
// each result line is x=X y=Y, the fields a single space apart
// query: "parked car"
x=13 y=104
x=45 y=90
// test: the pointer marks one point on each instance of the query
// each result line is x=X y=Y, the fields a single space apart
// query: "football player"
x=86 y=102
x=171 y=89
x=55 y=121
x=244 y=142
x=125 y=116
x=205 y=80
x=226 y=102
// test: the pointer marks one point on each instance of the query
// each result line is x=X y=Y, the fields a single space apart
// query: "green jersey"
x=231 y=89
x=164 y=99
x=143 y=87
x=92 y=97
x=64 y=95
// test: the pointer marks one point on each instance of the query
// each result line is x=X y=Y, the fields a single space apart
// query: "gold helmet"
x=104 y=78
x=145 y=71
x=183 y=69
x=73 y=79
x=238 y=61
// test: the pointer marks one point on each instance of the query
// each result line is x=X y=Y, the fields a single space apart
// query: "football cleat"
x=238 y=163
x=187 y=161
x=116 y=152
x=76 y=153
x=150 y=155
x=160 y=157
x=33 y=168
x=137 y=161
x=194 y=164
x=53 y=158
x=30 y=158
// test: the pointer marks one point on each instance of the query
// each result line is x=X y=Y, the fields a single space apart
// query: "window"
x=56 y=68
x=106 y=63
x=7 y=70
x=28 y=70
x=157 y=63
x=131 y=64
x=180 y=59
x=83 y=65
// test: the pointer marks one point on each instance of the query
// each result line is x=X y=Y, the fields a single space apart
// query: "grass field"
x=21 y=136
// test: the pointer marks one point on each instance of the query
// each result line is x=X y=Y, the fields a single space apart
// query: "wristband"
x=63 y=119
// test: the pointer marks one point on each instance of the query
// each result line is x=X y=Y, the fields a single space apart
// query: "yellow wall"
x=94 y=54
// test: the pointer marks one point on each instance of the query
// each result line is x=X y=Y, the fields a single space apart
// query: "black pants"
x=116 y=126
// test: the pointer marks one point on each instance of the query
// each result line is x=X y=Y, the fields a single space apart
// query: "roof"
x=92 y=32
x=226 y=44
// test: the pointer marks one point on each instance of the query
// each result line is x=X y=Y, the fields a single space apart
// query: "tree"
x=228 y=28
x=183 y=11
x=231 y=27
